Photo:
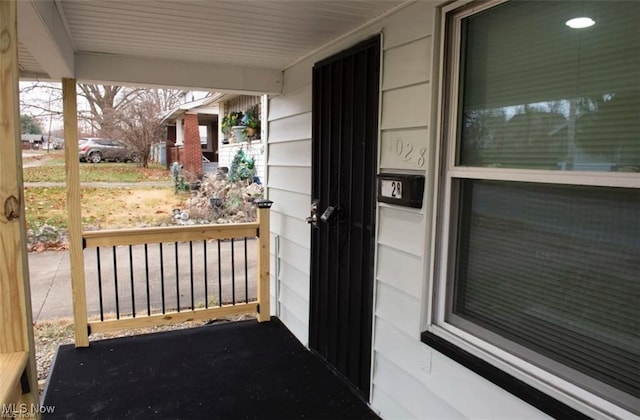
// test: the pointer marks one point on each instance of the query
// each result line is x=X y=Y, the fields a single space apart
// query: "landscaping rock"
x=219 y=200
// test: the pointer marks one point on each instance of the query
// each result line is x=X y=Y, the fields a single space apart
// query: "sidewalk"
x=50 y=277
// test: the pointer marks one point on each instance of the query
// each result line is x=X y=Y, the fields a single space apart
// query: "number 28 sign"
x=391 y=188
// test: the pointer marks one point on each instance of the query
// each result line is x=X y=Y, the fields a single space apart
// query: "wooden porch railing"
x=169 y=278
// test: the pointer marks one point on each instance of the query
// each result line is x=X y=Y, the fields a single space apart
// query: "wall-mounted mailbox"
x=401 y=189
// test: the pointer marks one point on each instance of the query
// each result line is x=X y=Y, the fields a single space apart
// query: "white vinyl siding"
x=444 y=384
x=289 y=203
x=289 y=187
x=418 y=401
x=291 y=228
x=397 y=269
x=401 y=388
x=406 y=107
x=386 y=404
x=295 y=127
x=296 y=179
x=397 y=230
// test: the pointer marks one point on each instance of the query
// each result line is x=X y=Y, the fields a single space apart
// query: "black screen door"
x=345 y=136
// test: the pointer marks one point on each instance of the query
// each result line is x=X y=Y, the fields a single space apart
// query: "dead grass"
x=102 y=208
x=126 y=208
x=53 y=170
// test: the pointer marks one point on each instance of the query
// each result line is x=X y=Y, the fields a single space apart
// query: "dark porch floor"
x=234 y=370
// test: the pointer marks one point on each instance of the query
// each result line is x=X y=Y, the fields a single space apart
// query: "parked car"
x=97 y=149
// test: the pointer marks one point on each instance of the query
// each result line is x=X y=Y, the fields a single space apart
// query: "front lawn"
x=104 y=208
x=54 y=171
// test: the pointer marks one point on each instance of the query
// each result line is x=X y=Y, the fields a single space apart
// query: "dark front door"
x=345 y=137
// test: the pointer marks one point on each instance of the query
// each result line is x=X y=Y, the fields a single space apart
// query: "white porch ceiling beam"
x=42 y=32
x=114 y=69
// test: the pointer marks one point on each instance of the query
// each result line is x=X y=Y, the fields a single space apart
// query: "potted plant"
x=239 y=134
x=242 y=167
x=230 y=121
x=251 y=121
x=253 y=128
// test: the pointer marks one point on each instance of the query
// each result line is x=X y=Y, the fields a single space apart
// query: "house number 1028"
x=408 y=153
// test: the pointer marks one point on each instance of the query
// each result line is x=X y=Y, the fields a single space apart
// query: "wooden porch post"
x=263 y=260
x=17 y=351
x=79 y=295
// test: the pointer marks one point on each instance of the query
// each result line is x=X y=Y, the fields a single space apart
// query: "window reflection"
x=596 y=133
x=545 y=96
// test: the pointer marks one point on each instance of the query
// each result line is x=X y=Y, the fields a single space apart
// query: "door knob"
x=313 y=217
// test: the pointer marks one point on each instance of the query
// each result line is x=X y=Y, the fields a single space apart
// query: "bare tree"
x=129 y=114
x=108 y=107
x=142 y=127
x=100 y=107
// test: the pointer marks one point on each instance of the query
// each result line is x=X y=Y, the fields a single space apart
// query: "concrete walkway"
x=50 y=276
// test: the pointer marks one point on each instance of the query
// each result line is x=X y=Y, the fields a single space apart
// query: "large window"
x=540 y=197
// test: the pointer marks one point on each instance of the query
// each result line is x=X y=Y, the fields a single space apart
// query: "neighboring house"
x=192 y=133
x=459 y=263
x=215 y=144
x=32 y=141
x=54 y=143
x=228 y=144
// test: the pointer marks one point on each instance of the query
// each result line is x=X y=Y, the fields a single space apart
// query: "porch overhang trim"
x=43 y=33
x=123 y=70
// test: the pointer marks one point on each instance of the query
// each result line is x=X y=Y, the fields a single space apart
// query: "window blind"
x=539 y=94
x=555 y=268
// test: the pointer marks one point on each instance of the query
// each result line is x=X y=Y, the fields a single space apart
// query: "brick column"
x=192 y=159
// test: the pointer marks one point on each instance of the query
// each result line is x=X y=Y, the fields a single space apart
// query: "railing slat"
x=219 y=276
x=162 y=278
x=246 y=273
x=115 y=281
x=146 y=272
x=133 y=293
x=100 y=284
x=233 y=274
x=177 y=278
x=206 y=275
x=191 y=273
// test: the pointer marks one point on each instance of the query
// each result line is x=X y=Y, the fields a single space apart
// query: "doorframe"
x=376 y=207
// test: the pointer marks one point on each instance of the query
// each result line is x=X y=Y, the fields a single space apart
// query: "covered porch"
x=53 y=40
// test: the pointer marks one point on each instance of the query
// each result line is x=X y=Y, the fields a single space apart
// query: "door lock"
x=313 y=217
x=328 y=214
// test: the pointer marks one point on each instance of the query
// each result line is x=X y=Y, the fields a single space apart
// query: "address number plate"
x=391 y=189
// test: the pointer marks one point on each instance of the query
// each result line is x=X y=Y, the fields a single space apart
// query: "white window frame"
x=439 y=291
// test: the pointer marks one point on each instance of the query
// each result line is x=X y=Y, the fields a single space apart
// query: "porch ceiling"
x=152 y=41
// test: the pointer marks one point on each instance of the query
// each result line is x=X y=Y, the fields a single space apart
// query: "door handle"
x=313 y=217
x=328 y=214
